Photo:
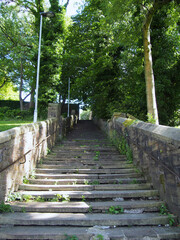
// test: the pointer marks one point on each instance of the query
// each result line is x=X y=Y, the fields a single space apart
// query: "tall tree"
x=143 y=11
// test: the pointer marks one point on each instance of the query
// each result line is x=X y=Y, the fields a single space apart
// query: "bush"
x=85 y=115
x=8 y=114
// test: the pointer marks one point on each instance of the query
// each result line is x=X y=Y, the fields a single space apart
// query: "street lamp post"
x=42 y=14
x=68 y=96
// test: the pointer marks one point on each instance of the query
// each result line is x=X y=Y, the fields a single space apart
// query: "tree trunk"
x=21 y=88
x=148 y=68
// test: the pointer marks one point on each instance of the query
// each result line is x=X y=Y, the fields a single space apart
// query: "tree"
x=16 y=49
x=142 y=11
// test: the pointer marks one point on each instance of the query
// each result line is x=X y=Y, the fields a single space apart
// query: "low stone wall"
x=156 y=151
x=20 y=150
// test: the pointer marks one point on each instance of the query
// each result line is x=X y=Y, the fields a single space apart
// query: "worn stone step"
x=86 y=176
x=86 y=162
x=80 y=219
x=84 y=171
x=87 y=233
x=51 y=207
x=72 y=165
x=85 y=207
x=86 y=150
x=83 y=181
x=129 y=206
x=85 y=158
x=129 y=194
x=90 y=157
x=74 y=142
x=84 y=187
x=95 y=147
x=70 y=152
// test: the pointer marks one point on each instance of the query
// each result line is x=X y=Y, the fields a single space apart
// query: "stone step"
x=90 y=148
x=70 y=152
x=84 y=171
x=90 y=157
x=83 y=181
x=59 y=157
x=85 y=161
x=81 y=219
x=85 y=207
x=87 y=233
x=129 y=194
x=74 y=142
x=87 y=176
x=59 y=165
x=51 y=207
x=77 y=187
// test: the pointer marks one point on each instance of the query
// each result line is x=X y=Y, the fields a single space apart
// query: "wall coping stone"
x=168 y=134
x=7 y=135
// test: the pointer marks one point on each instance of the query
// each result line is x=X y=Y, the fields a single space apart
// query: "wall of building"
x=156 y=151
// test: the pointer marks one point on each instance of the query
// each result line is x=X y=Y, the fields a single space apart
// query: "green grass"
x=6 y=125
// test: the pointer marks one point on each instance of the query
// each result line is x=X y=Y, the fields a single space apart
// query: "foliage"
x=39 y=199
x=83 y=198
x=7 y=114
x=164 y=211
x=8 y=91
x=5 y=208
x=107 y=67
x=63 y=198
x=73 y=237
x=85 y=115
x=96 y=157
x=151 y=118
x=115 y=210
x=15 y=196
x=121 y=144
x=98 y=237
x=25 y=180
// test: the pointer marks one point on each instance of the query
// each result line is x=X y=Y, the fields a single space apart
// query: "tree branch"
x=66 y=4
x=28 y=95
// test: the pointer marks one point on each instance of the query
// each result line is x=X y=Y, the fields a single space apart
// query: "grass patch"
x=6 y=125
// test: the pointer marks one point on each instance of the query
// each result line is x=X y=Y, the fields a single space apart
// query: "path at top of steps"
x=85 y=190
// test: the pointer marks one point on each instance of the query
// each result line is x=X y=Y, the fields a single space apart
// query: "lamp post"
x=42 y=14
x=68 y=95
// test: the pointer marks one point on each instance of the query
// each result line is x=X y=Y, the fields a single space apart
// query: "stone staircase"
x=84 y=189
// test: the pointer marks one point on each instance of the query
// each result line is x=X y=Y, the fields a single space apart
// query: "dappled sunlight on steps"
x=84 y=189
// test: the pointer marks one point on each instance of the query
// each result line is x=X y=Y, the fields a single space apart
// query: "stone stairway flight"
x=84 y=189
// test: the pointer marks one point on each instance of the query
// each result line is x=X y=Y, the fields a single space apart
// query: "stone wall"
x=22 y=148
x=156 y=151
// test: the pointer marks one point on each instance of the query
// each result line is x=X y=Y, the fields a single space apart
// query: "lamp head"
x=48 y=14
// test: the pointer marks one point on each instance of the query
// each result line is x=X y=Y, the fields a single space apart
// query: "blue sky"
x=73 y=6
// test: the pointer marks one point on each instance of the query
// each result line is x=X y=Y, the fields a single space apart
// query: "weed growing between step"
x=12 y=197
x=96 y=157
x=134 y=181
x=73 y=237
x=48 y=151
x=121 y=144
x=115 y=210
x=5 y=208
x=83 y=198
x=98 y=237
x=25 y=180
x=95 y=182
x=164 y=211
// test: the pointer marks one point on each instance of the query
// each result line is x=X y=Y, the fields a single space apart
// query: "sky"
x=73 y=7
